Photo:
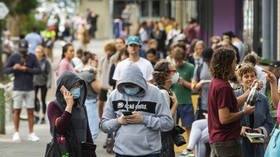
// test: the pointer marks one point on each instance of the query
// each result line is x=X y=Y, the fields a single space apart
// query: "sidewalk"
x=36 y=149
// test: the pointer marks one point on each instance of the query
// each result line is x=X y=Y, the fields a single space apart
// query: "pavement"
x=37 y=149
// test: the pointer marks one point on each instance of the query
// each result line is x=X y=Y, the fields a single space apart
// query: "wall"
x=225 y=15
x=104 y=23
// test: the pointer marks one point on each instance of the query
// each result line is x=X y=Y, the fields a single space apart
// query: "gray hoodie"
x=137 y=139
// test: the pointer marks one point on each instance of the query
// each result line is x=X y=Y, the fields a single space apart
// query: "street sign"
x=3 y=10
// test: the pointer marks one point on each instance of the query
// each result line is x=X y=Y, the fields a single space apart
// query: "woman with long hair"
x=65 y=63
x=164 y=76
x=42 y=82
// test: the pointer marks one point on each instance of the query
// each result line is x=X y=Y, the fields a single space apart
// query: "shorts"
x=186 y=113
x=103 y=95
x=23 y=98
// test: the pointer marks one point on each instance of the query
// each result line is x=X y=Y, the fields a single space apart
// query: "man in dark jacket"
x=23 y=66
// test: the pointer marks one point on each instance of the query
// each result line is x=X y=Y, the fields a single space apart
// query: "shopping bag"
x=58 y=147
x=273 y=147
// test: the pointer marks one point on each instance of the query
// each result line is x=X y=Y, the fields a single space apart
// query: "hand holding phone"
x=127 y=113
x=68 y=97
x=63 y=89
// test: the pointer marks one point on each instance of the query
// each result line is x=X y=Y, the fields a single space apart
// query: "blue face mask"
x=131 y=90
x=76 y=92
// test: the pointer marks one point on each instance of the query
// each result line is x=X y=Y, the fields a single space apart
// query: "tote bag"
x=273 y=147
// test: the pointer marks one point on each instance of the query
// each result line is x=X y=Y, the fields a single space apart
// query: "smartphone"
x=127 y=113
x=63 y=89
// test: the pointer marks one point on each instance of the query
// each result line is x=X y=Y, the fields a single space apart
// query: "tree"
x=17 y=8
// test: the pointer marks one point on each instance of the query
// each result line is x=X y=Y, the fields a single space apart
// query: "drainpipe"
x=266 y=29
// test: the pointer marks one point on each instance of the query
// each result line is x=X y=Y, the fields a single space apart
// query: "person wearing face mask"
x=23 y=66
x=137 y=112
x=165 y=75
x=67 y=113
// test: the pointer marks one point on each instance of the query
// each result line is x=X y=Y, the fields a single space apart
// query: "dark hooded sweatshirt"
x=77 y=119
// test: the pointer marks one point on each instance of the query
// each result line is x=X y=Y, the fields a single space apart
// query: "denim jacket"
x=262 y=116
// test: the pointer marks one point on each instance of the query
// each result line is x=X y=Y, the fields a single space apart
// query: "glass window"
x=156 y=8
x=145 y=8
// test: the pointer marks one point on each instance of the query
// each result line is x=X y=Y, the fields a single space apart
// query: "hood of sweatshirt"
x=137 y=139
x=68 y=79
x=132 y=74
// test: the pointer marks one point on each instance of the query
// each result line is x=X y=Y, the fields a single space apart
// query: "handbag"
x=88 y=149
x=58 y=147
x=273 y=147
x=178 y=139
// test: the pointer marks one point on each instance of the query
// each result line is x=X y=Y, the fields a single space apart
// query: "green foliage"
x=28 y=22
x=20 y=6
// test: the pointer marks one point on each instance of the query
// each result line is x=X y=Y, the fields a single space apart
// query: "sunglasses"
x=172 y=71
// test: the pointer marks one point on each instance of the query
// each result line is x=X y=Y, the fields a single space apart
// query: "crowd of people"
x=143 y=87
x=133 y=108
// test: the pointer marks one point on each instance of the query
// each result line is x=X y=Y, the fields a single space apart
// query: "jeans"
x=199 y=136
x=44 y=91
x=93 y=119
x=150 y=155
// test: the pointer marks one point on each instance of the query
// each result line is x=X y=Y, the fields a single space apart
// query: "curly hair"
x=221 y=63
x=245 y=68
x=161 y=73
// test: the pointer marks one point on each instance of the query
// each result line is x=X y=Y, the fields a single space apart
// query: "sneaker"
x=187 y=153
x=16 y=137
x=33 y=137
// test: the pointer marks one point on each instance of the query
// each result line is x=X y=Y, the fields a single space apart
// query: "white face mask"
x=175 y=78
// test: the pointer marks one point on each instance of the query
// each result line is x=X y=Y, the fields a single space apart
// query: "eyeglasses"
x=77 y=85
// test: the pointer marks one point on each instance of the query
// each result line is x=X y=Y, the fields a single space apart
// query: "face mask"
x=76 y=92
x=131 y=90
x=175 y=78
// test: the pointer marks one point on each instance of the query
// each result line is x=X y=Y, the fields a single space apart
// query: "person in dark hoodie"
x=67 y=114
x=137 y=113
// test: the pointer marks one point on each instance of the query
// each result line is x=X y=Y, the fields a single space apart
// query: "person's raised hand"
x=270 y=77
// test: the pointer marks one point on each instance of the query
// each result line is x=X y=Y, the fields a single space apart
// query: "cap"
x=23 y=45
x=134 y=40
x=180 y=37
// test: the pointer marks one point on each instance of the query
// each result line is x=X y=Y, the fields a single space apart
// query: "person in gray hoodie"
x=137 y=113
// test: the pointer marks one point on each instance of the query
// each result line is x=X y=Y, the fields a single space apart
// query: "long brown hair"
x=221 y=63
x=161 y=73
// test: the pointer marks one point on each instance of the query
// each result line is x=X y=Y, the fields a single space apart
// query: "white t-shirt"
x=144 y=65
x=279 y=85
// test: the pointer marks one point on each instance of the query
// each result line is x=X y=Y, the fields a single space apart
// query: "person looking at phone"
x=67 y=113
x=136 y=133
x=263 y=122
x=23 y=66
